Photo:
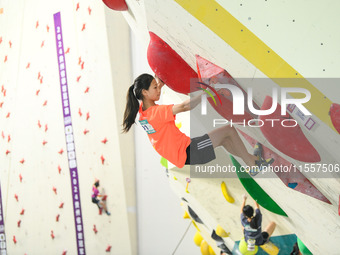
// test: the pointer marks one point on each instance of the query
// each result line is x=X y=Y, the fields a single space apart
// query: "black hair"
x=248 y=211
x=134 y=94
x=96 y=184
x=253 y=223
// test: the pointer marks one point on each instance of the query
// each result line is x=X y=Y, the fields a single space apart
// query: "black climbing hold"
x=216 y=237
x=184 y=199
x=194 y=216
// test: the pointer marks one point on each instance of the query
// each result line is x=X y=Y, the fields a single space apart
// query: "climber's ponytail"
x=132 y=105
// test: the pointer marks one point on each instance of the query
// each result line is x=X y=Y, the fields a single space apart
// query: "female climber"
x=251 y=225
x=95 y=194
x=159 y=123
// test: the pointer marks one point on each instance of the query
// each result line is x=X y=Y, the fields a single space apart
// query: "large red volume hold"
x=211 y=73
x=117 y=5
x=289 y=140
x=335 y=116
x=169 y=66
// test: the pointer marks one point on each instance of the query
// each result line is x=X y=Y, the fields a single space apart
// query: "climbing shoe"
x=259 y=165
x=258 y=151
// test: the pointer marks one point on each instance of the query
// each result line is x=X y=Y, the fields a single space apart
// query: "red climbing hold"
x=28 y=65
x=39 y=124
x=87 y=116
x=7 y=152
x=79 y=112
x=87 y=90
x=22 y=212
x=77 y=8
x=20 y=177
x=22 y=161
x=59 y=169
x=289 y=140
x=67 y=51
x=57 y=218
x=54 y=190
x=14 y=240
x=95 y=229
x=44 y=142
x=52 y=234
x=46 y=127
x=19 y=223
x=61 y=205
x=104 y=141
x=86 y=131
x=104 y=198
x=90 y=10
x=117 y=5
x=16 y=197
x=211 y=73
x=37 y=92
x=169 y=66
x=64 y=252
x=102 y=159
x=335 y=116
x=108 y=249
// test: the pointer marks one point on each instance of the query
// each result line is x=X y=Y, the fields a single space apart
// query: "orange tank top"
x=159 y=123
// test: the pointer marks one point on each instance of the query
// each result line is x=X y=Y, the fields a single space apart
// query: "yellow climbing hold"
x=186 y=215
x=211 y=251
x=175 y=178
x=193 y=223
x=226 y=195
x=270 y=248
x=204 y=248
x=243 y=247
x=221 y=232
x=198 y=239
x=179 y=125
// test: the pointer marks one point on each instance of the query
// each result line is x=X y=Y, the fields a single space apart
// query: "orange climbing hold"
x=289 y=140
x=169 y=66
x=117 y=5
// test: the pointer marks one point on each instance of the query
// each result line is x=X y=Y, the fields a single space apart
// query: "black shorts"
x=265 y=237
x=200 y=151
x=95 y=200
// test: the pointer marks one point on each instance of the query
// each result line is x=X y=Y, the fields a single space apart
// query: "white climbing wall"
x=34 y=173
x=259 y=39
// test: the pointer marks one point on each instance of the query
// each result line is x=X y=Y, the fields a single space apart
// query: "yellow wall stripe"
x=234 y=33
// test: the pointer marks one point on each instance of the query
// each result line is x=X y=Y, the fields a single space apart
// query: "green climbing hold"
x=303 y=248
x=255 y=190
x=164 y=162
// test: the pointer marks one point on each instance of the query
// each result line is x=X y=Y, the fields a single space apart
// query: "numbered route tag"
x=147 y=127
